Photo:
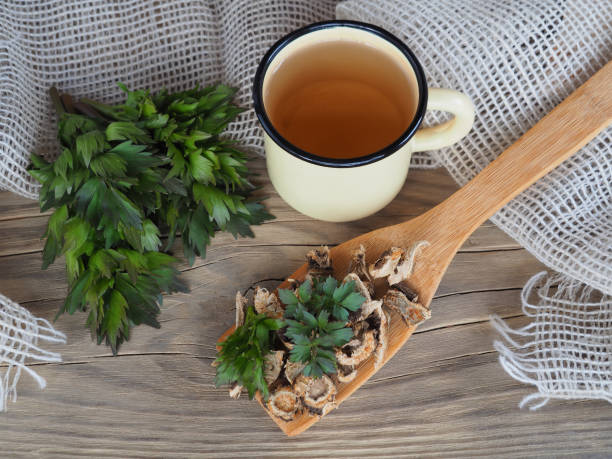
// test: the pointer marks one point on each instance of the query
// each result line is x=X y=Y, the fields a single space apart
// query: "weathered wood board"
x=444 y=394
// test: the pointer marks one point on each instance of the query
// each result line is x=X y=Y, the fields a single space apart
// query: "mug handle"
x=445 y=134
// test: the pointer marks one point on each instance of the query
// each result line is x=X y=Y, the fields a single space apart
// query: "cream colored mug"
x=341 y=190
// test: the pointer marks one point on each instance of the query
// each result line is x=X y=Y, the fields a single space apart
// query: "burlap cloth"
x=516 y=60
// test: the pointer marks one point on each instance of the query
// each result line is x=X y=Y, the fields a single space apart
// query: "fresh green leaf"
x=329 y=286
x=287 y=296
x=150 y=236
x=51 y=250
x=76 y=296
x=125 y=130
x=88 y=144
x=108 y=165
x=239 y=361
x=71 y=125
x=103 y=262
x=76 y=234
x=343 y=291
x=201 y=168
x=307 y=317
x=115 y=319
x=327 y=365
x=38 y=162
x=62 y=163
x=353 y=301
x=215 y=201
x=305 y=292
x=56 y=221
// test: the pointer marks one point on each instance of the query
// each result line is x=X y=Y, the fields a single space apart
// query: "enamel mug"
x=340 y=190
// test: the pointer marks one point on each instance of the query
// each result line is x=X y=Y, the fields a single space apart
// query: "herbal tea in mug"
x=341 y=103
x=340 y=99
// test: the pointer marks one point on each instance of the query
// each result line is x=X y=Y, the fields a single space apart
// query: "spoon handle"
x=556 y=137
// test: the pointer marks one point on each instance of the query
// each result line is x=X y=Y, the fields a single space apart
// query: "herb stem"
x=88 y=110
x=57 y=101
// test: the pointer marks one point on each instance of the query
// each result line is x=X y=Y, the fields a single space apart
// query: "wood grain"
x=444 y=394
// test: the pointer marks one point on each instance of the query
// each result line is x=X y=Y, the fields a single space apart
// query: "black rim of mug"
x=339 y=162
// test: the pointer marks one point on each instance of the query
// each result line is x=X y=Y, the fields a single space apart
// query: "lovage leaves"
x=125 y=175
x=316 y=319
x=242 y=355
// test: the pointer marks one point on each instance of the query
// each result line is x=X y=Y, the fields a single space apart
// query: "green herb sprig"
x=316 y=318
x=128 y=173
x=242 y=355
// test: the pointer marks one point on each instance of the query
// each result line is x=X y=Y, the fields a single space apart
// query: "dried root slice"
x=352 y=343
x=354 y=355
x=241 y=305
x=284 y=339
x=386 y=263
x=396 y=264
x=235 y=391
x=284 y=403
x=382 y=338
x=418 y=314
x=412 y=313
x=346 y=373
x=406 y=290
x=267 y=303
x=404 y=268
x=301 y=385
x=319 y=262
x=362 y=289
x=375 y=319
x=293 y=370
x=318 y=395
x=293 y=283
x=367 y=308
x=358 y=329
x=273 y=364
x=358 y=267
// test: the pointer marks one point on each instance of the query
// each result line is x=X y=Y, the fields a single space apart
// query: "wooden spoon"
x=553 y=139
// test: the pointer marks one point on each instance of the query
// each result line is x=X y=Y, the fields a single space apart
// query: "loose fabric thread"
x=20 y=334
x=566 y=351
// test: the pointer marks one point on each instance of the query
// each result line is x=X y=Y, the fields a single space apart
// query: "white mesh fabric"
x=20 y=333
x=566 y=351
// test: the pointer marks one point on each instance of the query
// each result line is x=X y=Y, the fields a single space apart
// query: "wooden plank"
x=13 y=207
x=227 y=270
x=22 y=235
x=181 y=311
x=446 y=404
x=19 y=236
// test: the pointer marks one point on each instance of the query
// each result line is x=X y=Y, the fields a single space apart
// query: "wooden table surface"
x=444 y=394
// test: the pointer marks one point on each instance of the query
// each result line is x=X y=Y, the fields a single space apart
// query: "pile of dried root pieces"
x=292 y=393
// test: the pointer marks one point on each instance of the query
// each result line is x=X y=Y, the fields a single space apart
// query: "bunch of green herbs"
x=127 y=174
x=241 y=357
x=316 y=317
